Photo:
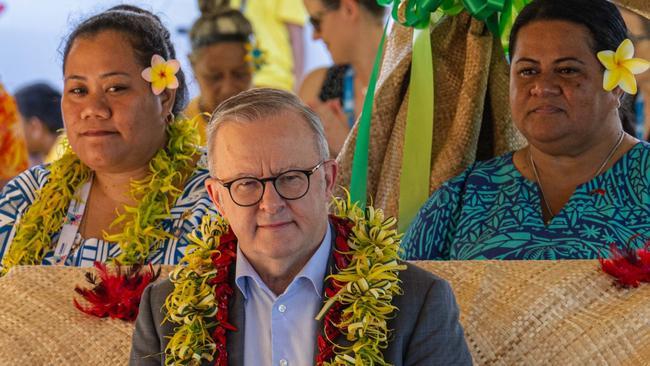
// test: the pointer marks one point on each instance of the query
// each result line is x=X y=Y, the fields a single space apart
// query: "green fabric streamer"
x=359 y=175
x=507 y=20
x=483 y=9
x=498 y=15
x=416 y=159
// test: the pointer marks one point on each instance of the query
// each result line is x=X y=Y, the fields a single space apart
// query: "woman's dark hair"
x=42 y=101
x=147 y=34
x=371 y=5
x=601 y=17
x=219 y=23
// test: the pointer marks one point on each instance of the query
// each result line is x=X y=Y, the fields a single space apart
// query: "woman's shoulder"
x=493 y=171
x=311 y=84
x=637 y=159
x=196 y=181
x=26 y=183
x=19 y=193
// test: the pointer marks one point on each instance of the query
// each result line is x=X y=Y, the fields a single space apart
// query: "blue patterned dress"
x=491 y=211
x=186 y=215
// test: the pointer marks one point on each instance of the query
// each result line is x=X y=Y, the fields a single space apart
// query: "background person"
x=130 y=186
x=351 y=30
x=39 y=105
x=580 y=184
x=278 y=26
x=219 y=40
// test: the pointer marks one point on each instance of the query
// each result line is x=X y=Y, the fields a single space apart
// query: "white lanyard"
x=71 y=223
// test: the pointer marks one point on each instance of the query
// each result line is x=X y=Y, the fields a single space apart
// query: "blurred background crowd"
x=300 y=46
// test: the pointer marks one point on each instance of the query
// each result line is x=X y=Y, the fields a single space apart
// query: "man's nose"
x=271 y=201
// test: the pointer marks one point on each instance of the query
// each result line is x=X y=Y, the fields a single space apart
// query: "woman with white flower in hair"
x=130 y=185
x=582 y=183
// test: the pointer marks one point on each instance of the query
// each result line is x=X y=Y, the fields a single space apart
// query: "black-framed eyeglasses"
x=317 y=19
x=638 y=37
x=290 y=185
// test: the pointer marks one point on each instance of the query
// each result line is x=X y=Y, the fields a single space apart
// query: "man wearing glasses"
x=272 y=180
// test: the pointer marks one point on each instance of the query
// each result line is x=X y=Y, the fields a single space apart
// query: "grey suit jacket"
x=426 y=330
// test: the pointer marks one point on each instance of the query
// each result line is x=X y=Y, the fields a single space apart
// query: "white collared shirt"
x=281 y=330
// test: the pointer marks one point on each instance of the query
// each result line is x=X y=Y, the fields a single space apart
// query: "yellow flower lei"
x=169 y=169
x=368 y=285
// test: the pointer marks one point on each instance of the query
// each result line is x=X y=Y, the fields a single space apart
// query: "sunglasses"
x=639 y=37
x=317 y=19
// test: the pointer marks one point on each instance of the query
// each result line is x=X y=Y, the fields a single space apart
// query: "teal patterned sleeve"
x=431 y=233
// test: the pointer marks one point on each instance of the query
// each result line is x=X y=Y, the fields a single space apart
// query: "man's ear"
x=331 y=171
x=211 y=185
x=167 y=98
x=350 y=8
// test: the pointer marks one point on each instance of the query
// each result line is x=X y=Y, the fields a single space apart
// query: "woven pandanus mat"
x=39 y=325
x=640 y=6
x=513 y=312
x=548 y=313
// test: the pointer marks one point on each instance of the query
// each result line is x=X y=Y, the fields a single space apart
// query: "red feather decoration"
x=116 y=293
x=630 y=266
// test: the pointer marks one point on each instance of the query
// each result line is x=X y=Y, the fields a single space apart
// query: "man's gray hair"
x=260 y=103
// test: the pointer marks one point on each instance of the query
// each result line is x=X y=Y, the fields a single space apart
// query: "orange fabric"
x=13 y=149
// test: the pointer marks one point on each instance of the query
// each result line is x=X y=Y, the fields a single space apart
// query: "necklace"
x=142 y=234
x=600 y=170
x=365 y=253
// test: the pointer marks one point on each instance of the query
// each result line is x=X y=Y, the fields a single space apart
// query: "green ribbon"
x=483 y=9
x=498 y=15
x=415 y=177
x=359 y=175
x=510 y=12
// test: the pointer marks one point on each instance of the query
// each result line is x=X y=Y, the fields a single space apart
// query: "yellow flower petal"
x=627 y=82
x=624 y=51
x=173 y=66
x=157 y=86
x=636 y=65
x=611 y=78
x=607 y=59
x=173 y=84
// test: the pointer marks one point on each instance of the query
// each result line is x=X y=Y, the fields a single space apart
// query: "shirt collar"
x=314 y=271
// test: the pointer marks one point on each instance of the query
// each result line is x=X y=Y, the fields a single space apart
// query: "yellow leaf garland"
x=156 y=193
x=142 y=234
x=33 y=238
x=370 y=282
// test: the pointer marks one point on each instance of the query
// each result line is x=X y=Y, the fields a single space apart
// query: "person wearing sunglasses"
x=272 y=180
x=351 y=30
